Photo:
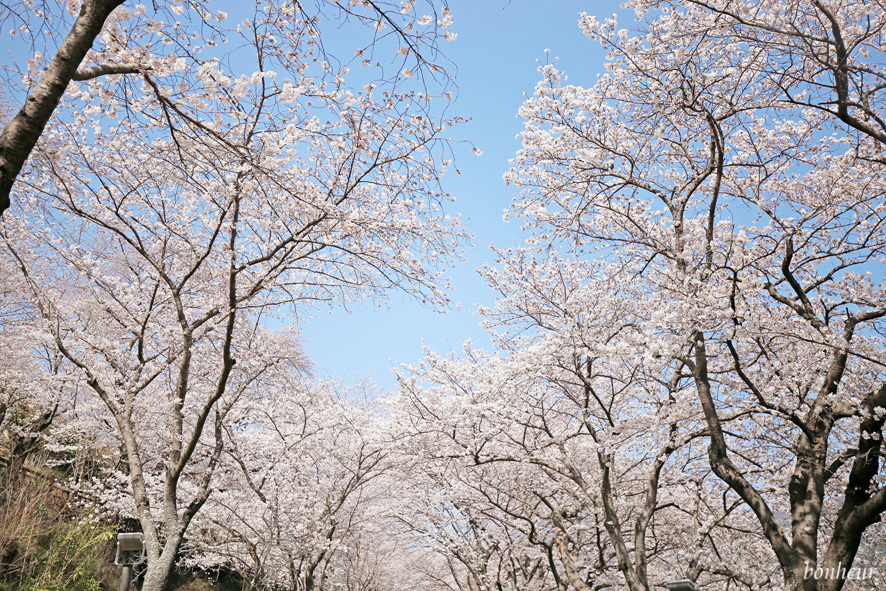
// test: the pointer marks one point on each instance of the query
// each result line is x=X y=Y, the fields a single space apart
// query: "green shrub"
x=69 y=557
x=44 y=544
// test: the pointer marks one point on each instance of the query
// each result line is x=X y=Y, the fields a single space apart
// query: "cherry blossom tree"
x=35 y=389
x=442 y=507
x=378 y=558
x=27 y=411
x=748 y=227
x=819 y=54
x=21 y=133
x=553 y=469
x=295 y=486
x=161 y=227
x=137 y=43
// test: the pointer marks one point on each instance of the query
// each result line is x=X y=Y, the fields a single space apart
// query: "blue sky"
x=496 y=53
x=496 y=56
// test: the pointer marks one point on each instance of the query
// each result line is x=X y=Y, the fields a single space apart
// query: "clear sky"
x=496 y=54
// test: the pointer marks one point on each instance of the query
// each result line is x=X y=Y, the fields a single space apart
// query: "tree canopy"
x=687 y=374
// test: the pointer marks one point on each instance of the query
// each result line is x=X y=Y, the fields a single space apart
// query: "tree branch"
x=106 y=69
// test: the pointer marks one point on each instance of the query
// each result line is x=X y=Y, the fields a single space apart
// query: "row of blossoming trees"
x=690 y=378
x=688 y=381
x=204 y=176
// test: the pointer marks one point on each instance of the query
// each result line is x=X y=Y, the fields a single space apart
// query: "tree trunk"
x=160 y=570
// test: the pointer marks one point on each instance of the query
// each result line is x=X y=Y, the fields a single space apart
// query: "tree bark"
x=160 y=569
x=863 y=504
